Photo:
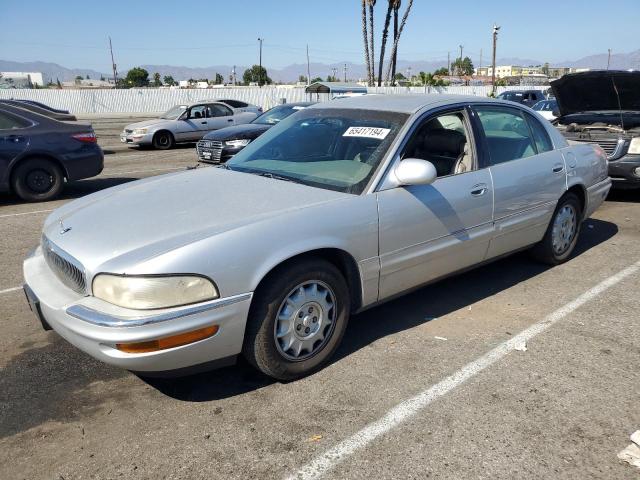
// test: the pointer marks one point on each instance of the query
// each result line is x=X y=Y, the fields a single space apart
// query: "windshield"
x=336 y=149
x=174 y=112
x=274 y=115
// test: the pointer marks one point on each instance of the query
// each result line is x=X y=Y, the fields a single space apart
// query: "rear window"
x=236 y=103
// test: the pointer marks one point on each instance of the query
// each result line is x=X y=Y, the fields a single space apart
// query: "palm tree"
x=372 y=65
x=367 y=58
x=394 y=50
x=396 y=10
x=385 y=35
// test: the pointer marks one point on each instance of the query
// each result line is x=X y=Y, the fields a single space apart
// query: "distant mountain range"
x=290 y=73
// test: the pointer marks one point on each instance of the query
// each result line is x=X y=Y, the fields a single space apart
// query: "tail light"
x=88 y=137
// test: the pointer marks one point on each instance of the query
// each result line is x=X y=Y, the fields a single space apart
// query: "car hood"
x=238 y=132
x=146 y=123
x=597 y=91
x=122 y=226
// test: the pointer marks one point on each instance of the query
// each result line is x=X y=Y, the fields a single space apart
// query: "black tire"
x=37 y=180
x=260 y=347
x=544 y=251
x=163 y=140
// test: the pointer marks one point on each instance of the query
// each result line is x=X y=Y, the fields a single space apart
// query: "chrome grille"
x=68 y=273
x=609 y=146
x=214 y=147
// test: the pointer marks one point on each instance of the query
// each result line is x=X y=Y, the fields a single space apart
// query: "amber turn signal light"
x=169 y=342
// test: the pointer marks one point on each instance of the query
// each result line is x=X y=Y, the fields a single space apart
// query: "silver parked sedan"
x=339 y=207
x=188 y=123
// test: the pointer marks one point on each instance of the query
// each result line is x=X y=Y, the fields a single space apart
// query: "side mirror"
x=414 y=171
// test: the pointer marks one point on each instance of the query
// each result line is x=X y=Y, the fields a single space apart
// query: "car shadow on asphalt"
x=406 y=312
x=53 y=383
x=631 y=195
x=73 y=190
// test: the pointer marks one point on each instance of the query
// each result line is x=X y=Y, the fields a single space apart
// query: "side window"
x=9 y=122
x=444 y=141
x=507 y=134
x=218 y=110
x=540 y=135
x=198 y=111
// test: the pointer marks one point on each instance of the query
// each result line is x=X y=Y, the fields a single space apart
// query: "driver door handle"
x=229 y=119
x=203 y=123
x=558 y=168
x=479 y=189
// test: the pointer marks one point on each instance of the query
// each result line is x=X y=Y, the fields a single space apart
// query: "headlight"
x=150 y=292
x=140 y=131
x=634 y=146
x=238 y=143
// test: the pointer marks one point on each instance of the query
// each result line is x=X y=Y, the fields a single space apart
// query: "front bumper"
x=95 y=326
x=622 y=171
x=146 y=139
x=215 y=151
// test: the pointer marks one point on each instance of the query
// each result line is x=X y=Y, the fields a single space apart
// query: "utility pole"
x=113 y=65
x=233 y=76
x=345 y=73
x=609 y=60
x=260 y=63
x=496 y=28
x=308 y=68
x=335 y=74
x=460 y=64
x=449 y=63
x=480 y=66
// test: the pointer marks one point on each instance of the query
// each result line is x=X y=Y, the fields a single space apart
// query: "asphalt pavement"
x=512 y=370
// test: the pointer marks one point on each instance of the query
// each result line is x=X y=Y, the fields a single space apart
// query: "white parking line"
x=8 y=290
x=407 y=409
x=24 y=213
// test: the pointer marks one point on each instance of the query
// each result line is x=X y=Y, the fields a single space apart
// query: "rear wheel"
x=163 y=140
x=562 y=233
x=37 y=180
x=297 y=319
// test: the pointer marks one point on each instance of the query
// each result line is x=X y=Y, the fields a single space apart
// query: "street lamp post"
x=260 y=40
x=496 y=28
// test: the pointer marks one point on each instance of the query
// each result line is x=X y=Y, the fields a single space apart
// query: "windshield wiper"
x=277 y=177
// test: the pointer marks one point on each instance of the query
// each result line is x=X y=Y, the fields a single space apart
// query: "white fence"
x=151 y=100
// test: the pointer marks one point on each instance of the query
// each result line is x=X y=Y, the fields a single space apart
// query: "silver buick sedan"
x=339 y=207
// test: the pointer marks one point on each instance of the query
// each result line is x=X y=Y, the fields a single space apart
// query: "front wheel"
x=297 y=319
x=562 y=233
x=163 y=141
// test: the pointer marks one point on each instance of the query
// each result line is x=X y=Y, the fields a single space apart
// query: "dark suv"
x=525 y=97
x=603 y=107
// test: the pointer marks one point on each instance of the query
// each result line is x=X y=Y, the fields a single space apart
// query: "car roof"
x=400 y=103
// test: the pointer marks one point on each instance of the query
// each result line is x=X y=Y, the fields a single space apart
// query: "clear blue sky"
x=203 y=33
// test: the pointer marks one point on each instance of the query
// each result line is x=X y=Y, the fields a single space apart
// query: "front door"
x=428 y=231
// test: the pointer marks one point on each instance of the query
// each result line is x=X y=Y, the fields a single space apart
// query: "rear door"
x=219 y=116
x=14 y=140
x=528 y=175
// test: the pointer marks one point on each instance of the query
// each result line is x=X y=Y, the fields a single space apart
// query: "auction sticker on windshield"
x=367 y=132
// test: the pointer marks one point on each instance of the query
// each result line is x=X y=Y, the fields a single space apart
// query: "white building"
x=22 y=78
